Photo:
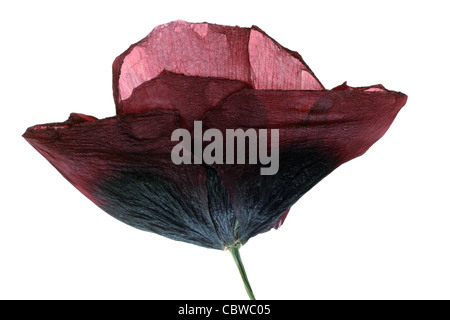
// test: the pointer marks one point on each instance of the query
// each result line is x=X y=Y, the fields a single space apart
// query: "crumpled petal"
x=274 y=67
x=346 y=120
x=318 y=131
x=209 y=50
x=126 y=170
x=123 y=163
x=229 y=78
x=190 y=96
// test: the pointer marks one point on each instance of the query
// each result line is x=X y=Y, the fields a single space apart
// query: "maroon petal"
x=84 y=149
x=202 y=49
x=209 y=50
x=230 y=78
x=318 y=132
x=346 y=120
x=190 y=96
x=123 y=164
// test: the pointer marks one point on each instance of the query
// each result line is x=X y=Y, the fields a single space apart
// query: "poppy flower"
x=227 y=78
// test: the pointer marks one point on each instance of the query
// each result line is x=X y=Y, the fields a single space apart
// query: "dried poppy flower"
x=227 y=78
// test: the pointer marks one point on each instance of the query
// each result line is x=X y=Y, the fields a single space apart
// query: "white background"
x=376 y=228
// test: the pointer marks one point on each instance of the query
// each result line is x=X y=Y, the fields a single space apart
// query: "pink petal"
x=199 y=49
x=275 y=67
x=209 y=50
x=191 y=96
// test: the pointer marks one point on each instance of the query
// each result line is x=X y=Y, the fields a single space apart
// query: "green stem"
x=234 y=250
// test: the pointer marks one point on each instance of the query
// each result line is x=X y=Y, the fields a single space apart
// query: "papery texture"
x=228 y=78
x=209 y=50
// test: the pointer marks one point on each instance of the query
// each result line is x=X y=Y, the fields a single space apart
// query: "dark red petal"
x=209 y=50
x=195 y=49
x=83 y=149
x=346 y=120
x=190 y=96
x=318 y=132
x=123 y=164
